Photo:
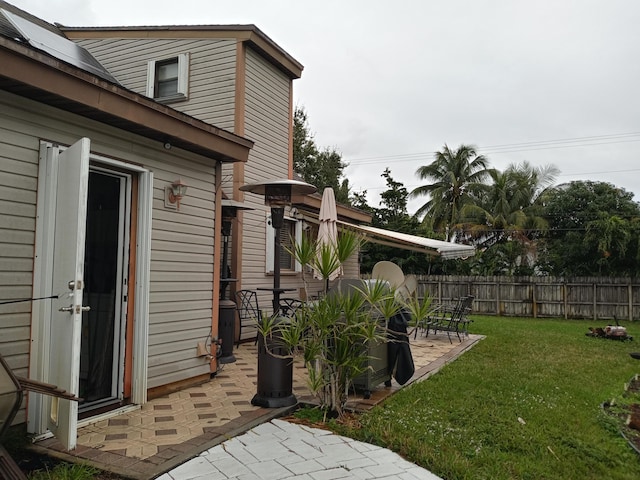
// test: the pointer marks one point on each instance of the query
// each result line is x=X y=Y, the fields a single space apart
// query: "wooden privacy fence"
x=577 y=297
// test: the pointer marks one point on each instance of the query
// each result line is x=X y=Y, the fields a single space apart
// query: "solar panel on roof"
x=8 y=30
x=57 y=46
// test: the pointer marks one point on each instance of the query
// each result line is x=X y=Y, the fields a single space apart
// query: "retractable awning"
x=413 y=242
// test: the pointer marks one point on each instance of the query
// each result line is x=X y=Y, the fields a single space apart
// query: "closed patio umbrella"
x=328 y=228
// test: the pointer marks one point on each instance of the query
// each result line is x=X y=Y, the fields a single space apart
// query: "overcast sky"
x=389 y=83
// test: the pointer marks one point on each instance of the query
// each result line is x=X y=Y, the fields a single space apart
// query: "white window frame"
x=270 y=243
x=183 y=78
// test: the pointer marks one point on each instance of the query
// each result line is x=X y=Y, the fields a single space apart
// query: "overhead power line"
x=587 y=141
x=410 y=186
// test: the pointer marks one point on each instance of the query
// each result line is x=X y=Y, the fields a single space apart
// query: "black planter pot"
x=275 y=375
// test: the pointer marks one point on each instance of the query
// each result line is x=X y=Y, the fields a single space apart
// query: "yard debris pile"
x=625 y=410
x=613 y=332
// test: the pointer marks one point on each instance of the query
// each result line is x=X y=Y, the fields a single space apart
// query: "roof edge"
x=241 y=32
x=38 y=75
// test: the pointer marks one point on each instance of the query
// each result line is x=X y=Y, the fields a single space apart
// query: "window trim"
x=183 y=78
x=270 y=244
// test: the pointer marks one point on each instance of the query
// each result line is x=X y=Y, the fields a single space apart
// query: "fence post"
x=595 y=302
x=534 y=303
x=630 y=295
x=564 y=298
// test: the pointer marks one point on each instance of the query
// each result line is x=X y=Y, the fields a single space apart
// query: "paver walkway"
x=279 y=450
x=168 y=431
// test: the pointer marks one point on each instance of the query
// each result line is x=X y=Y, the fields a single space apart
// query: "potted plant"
x=332 y=335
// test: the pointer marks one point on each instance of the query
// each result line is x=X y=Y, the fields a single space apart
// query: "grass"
x=38 y=466
x=66 y=471
x=524 y=403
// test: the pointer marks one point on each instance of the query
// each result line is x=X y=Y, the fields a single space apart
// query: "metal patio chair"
x=249 y=314
x=12 y=389
x=450 y=318
x=288 y=306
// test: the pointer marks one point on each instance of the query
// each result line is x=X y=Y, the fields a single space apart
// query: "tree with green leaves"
x=319 y=167
x=454 y=177
x=304 y=146
x=505 y=219
x=359 y=201
x=594 y=230
x=393 y=212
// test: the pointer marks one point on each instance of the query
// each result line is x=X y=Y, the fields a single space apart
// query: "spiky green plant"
x=332 y=335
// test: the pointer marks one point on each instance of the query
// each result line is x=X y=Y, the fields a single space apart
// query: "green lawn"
x=524 y=403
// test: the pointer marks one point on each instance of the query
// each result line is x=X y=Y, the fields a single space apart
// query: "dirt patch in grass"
x=314 y=417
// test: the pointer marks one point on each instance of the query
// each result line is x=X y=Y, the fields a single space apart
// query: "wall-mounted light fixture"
x=174 y=193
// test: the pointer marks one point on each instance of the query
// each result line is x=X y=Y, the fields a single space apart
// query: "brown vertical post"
x=630 y=300
x=217 y=229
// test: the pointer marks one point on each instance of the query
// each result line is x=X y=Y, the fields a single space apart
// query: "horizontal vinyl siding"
x=227 y=179
x=266 y=119
x=18 y=184
x=182 y=256
x=351 y=268
x=212 y=71
x=267 y=113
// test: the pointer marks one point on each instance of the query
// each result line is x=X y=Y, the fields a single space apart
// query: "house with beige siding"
x=109 y=276
x=235 y=77
x=110 y=273
x=108 y=280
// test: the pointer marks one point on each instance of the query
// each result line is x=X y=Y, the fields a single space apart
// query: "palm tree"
x=511 y=203
x=495 y=214
x=456 y=174
x=532 y=183
x=509 y=210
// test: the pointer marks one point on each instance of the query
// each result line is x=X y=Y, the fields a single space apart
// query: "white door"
x=68 y=270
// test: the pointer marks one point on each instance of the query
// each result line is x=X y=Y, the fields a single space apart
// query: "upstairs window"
x=167 y=79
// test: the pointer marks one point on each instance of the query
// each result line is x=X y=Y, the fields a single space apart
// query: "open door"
x=68 y=271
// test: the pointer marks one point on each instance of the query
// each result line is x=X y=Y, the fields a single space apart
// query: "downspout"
x=217 y=255
x=290 y=172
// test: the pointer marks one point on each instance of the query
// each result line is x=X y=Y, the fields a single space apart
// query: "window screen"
x=167 y=78
x=287 y=237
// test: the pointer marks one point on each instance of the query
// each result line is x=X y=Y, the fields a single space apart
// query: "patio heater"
x=275 y=375
x=227 y=308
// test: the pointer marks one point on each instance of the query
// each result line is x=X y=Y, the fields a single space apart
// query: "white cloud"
x=389 y=79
